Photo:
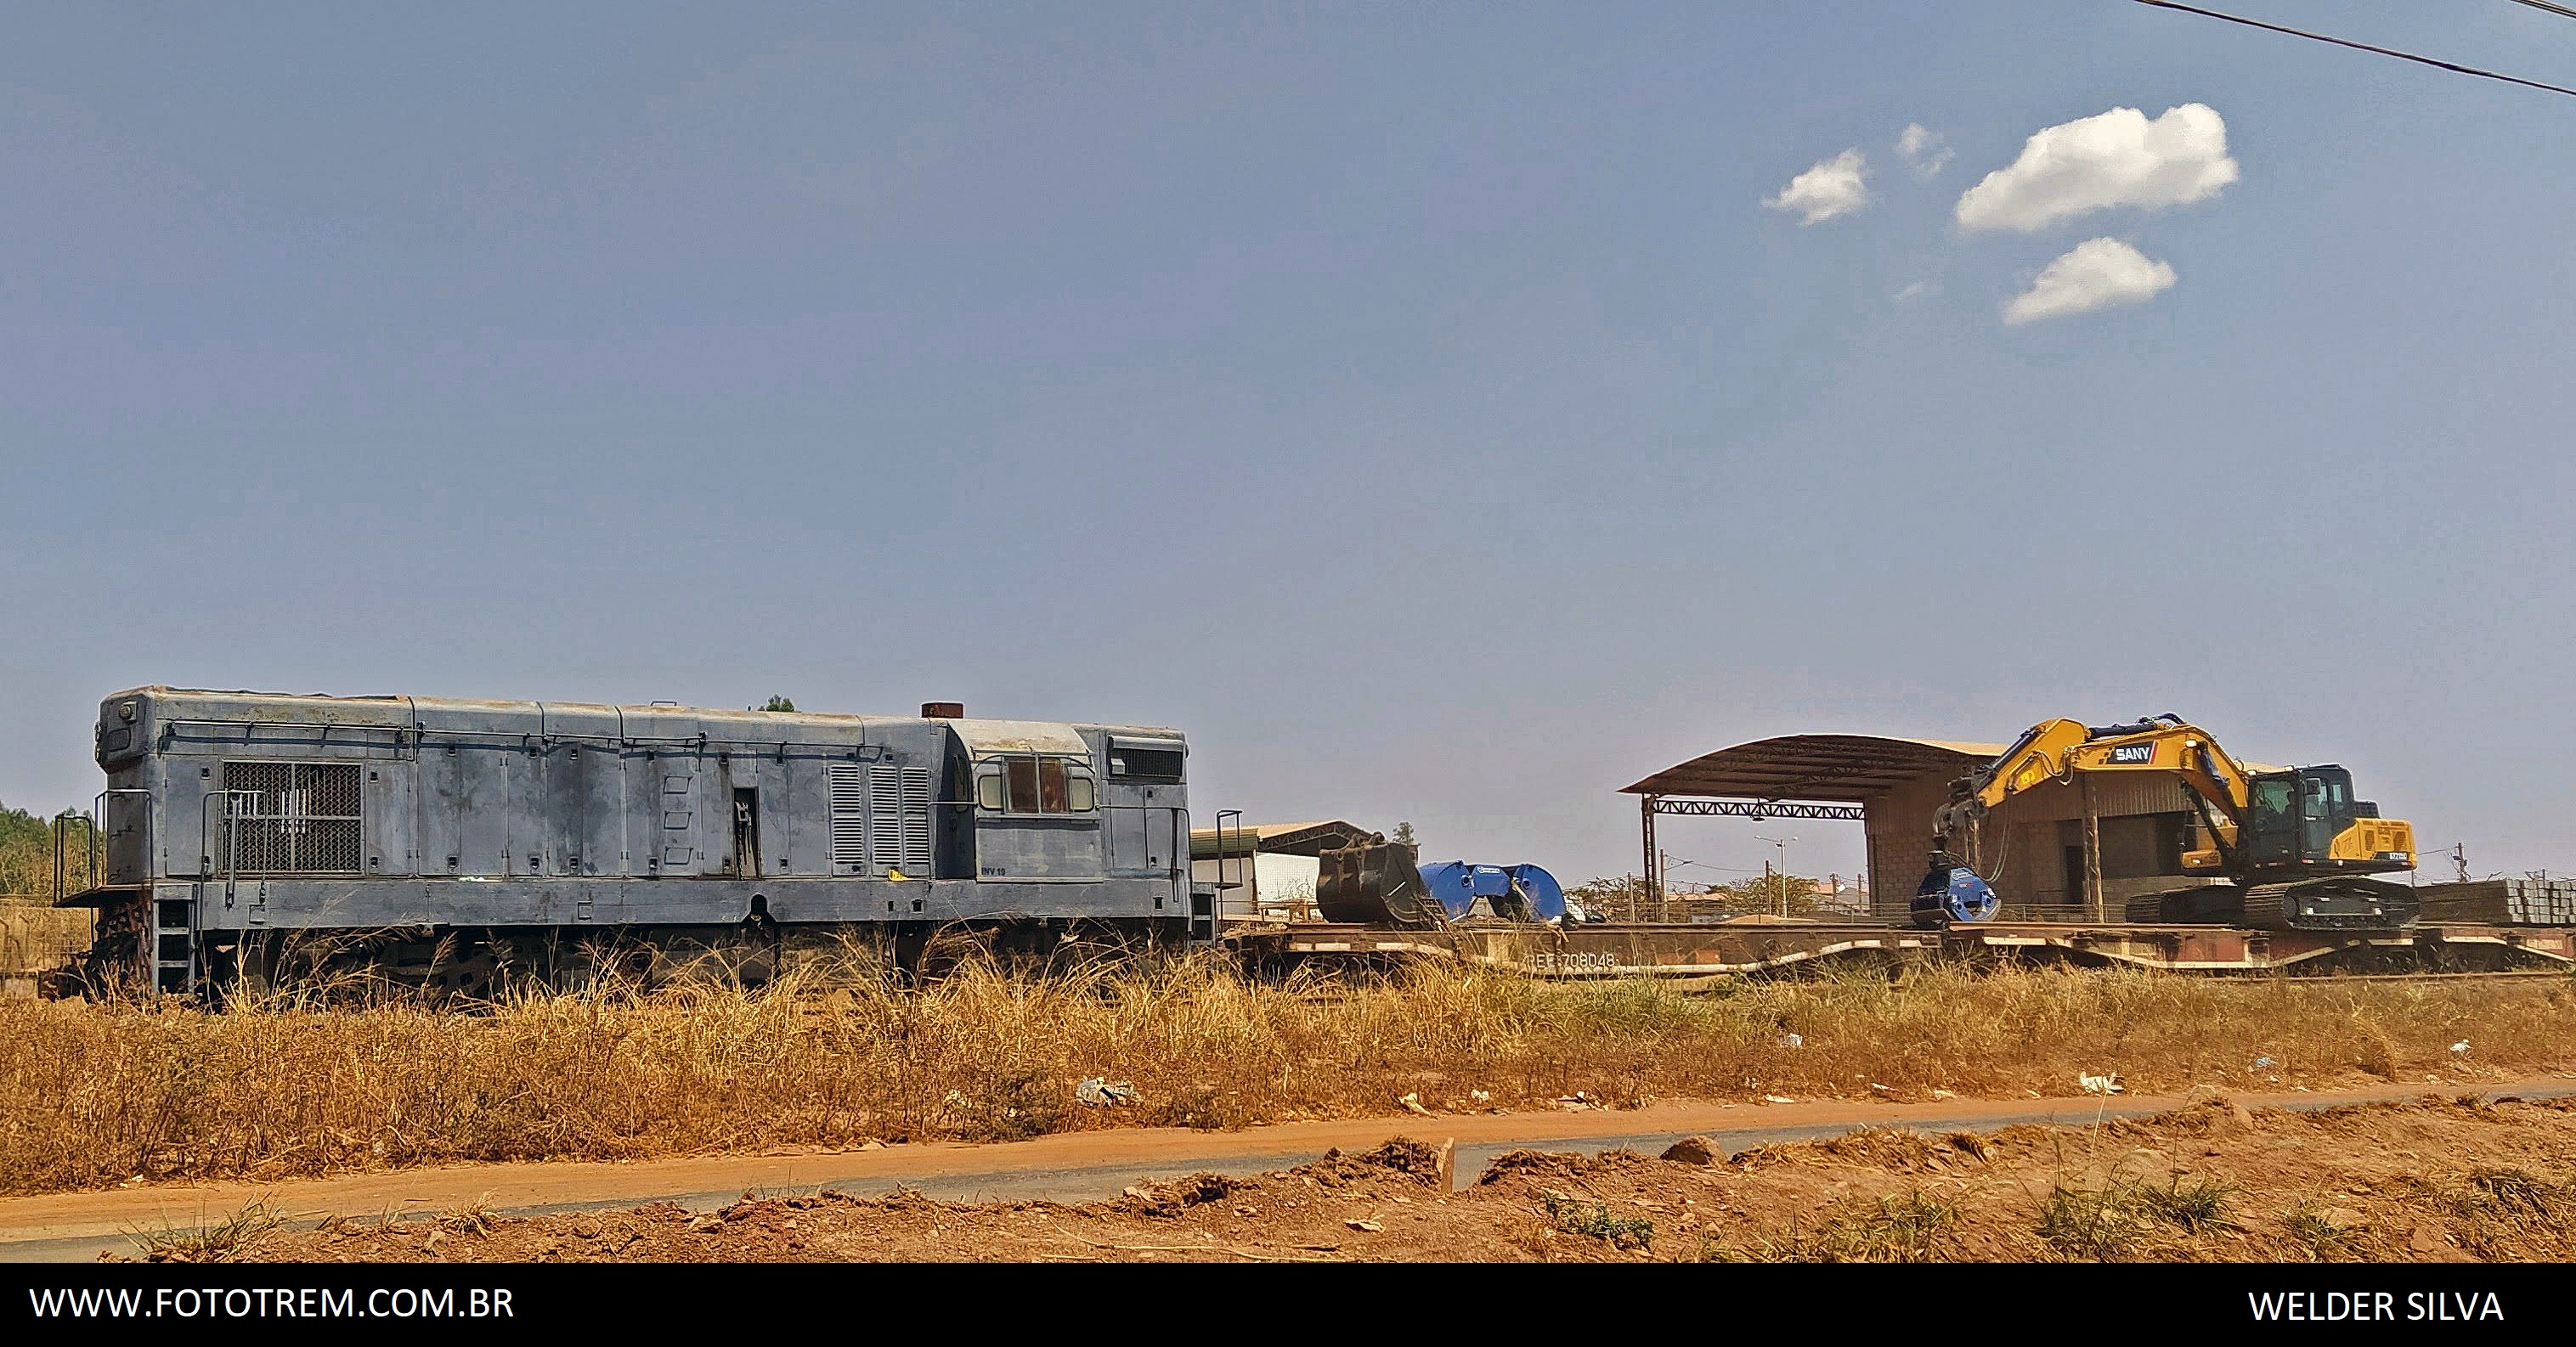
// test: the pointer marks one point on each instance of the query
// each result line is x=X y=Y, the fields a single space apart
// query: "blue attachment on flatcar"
x=1951 y=892
x=1513 y=892
x=1546 y=897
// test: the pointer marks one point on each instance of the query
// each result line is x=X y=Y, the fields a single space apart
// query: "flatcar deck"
x=1738 y=950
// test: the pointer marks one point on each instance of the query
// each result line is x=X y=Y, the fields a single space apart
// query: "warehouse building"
x=2067 y=851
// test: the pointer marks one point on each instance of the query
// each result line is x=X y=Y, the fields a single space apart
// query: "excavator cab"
x=2272 y=823
x=2308 y=820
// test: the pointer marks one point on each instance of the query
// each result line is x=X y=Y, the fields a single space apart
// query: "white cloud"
x=2095 y=274
x=2120 y=158
x=1924 y=150
x=1835 y=186
x=1918 y=290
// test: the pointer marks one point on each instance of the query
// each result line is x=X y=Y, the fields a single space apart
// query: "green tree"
x=27 y=853
x=1763 y=893
x=1404 y=833
x=1618 y=897
x=18 y=828
x=777 y=703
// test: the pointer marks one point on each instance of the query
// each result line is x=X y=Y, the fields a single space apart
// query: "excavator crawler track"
x=2336 y=904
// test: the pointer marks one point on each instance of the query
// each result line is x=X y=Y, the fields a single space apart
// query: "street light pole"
x=1783 y=888
x=1665 y=861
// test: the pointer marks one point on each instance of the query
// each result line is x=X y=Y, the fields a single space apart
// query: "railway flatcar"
x=450 y=842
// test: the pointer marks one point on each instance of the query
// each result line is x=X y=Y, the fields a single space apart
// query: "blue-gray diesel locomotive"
x=463 y=838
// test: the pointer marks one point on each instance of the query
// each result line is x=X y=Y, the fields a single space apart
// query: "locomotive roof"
x=318 y=705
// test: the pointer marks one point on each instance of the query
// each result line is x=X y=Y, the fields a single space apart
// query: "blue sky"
x=1415 y=403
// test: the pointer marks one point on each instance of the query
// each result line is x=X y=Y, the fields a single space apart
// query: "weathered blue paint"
x=368 y=812
x=1521 y=892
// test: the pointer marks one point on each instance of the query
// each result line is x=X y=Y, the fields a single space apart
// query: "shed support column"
x=1652 y=884
x=1651 y=880
x=2093 y=856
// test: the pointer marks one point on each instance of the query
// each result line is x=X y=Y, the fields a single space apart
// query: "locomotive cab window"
x=1034 y=785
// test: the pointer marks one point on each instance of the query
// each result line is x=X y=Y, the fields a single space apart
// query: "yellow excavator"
x=2295 y=847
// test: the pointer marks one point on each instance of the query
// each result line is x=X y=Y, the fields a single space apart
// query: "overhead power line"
x=2364 y=46
x=2560 y=10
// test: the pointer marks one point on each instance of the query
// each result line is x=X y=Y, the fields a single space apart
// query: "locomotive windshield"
x=1030 y=784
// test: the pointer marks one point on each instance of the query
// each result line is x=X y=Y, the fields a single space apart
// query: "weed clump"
x=2099 y=1222
x=2316 y=1232
x=2193 y=1207
x=1907 y=1227
x=1595 y=1220
x=234 y=1238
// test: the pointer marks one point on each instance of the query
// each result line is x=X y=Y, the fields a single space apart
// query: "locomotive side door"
x=1146 y=804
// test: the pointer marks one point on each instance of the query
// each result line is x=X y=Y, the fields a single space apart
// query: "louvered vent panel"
x=899 y=819
x=916 y=822
x=849 y=819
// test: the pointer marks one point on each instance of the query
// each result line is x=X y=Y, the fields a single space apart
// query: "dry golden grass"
x=96 y=1094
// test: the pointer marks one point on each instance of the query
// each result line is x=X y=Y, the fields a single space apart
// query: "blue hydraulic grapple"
x=1952 y=892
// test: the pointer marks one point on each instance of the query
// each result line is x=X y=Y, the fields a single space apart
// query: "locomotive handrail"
x=1223 y=854
x=1217 y=914
x=94 y=845
x=230 y=871
x=62 y=857
x=423 y=732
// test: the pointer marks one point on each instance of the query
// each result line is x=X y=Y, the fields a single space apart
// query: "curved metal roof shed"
x=1888 y=784
x=2071 y=851
x=1815 y=767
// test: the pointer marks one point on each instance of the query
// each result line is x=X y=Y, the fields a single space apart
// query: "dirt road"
x=2429 y=1180
x=1067 y=1167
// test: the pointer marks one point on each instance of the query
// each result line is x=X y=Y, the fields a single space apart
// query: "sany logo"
x=2131 y=755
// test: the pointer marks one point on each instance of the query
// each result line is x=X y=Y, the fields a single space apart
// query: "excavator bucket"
x=1376 y=884
x=1952 y=892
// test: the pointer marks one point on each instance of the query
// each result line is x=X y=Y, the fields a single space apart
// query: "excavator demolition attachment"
x=1951 y=891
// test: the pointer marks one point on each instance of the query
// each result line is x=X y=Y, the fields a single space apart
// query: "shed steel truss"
x=1693 y=807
